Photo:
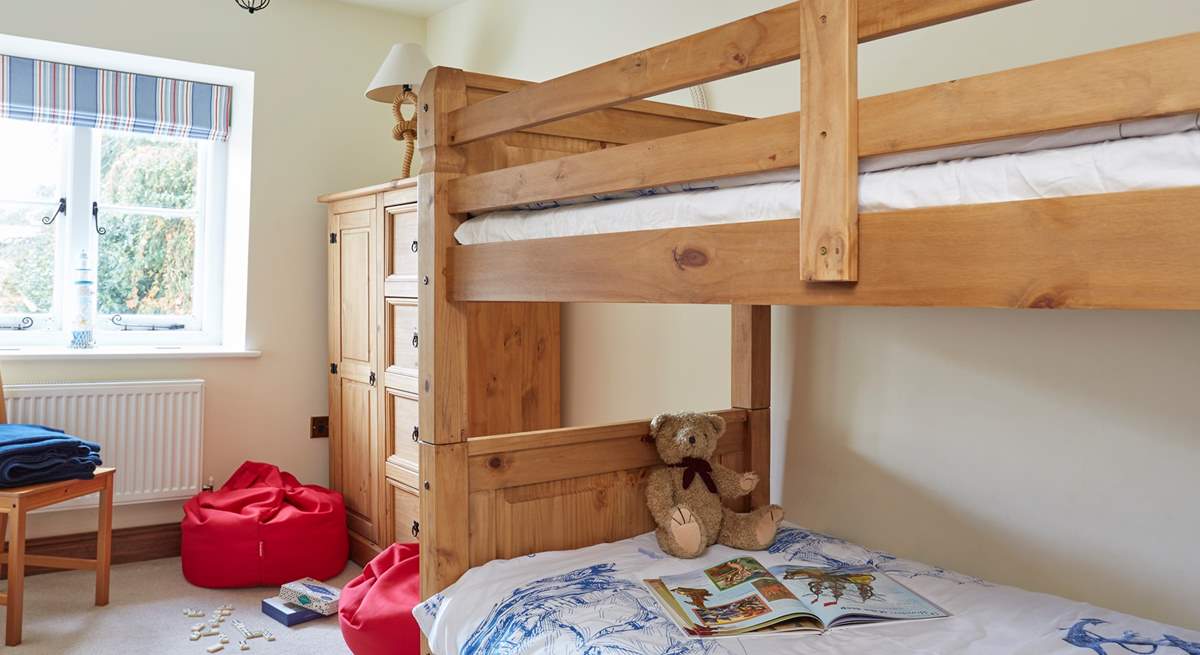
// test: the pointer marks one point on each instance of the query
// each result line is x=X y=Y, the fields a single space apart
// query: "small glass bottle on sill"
x=83 y=326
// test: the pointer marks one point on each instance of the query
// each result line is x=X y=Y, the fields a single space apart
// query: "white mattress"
x=1034 y=167
x=591 y=601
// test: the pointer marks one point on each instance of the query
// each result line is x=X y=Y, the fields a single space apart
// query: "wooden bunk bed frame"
x=488 y=143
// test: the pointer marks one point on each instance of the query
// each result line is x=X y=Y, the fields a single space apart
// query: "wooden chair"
x=16 y=502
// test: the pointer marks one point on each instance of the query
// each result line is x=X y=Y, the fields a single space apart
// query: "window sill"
x=45 y=353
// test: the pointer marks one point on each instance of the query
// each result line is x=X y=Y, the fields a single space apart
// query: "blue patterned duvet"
x=591 y=602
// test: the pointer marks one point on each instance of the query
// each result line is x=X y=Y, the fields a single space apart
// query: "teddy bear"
x=685 y=496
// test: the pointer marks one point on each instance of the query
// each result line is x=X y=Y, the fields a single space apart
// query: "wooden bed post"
x=751 y=389
x=829 y=141
x=443 y=344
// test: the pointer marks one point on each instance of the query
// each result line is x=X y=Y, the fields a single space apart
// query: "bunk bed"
x=498 y=485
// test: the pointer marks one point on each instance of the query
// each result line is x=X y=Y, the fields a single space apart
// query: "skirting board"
x=128 y=545
x=362 y=551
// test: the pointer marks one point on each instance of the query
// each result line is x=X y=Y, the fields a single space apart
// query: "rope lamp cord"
x=406 y=128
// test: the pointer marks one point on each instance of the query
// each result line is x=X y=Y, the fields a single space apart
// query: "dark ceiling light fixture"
x=253 y=5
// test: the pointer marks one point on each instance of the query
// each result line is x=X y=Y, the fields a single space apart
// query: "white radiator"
x=151 y=432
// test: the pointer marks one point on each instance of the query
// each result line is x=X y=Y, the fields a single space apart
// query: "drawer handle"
x=371 y=378
x=416 y=529
x=416 y=434
x=414 y=246
x=414 y=339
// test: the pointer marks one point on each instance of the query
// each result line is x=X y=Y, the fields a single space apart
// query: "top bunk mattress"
x=592 y=601
x=1151 y=154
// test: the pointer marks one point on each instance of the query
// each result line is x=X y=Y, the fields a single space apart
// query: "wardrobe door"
x=355 y=454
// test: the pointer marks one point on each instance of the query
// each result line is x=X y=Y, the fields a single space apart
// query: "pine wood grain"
x=445 y=534
x=565 y=454
x=751 y=356
x=443 y=324
x=1156 y=78
x=829 y=141
x=751 y=146
x=764 y=39
x=991 y=106
x=630 y=123
x=758 y=453
x=1078 y=252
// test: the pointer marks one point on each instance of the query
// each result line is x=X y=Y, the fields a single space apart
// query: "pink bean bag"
x=375 y=609
x=263 y=528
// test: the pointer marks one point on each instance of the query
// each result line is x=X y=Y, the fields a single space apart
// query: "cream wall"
x=1055 y=451
x=313 y=133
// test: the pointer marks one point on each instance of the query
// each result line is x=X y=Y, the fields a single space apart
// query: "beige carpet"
x=145 y=616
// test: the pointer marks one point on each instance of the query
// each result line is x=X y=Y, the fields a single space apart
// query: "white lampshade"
x=406 y=64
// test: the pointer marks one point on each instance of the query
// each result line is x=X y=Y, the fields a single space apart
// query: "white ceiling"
x=410 y=7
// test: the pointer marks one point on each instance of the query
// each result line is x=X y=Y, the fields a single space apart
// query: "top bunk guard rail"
x=823 y=34
x=760 y=41
x=1065 y=260
x=1157 y=79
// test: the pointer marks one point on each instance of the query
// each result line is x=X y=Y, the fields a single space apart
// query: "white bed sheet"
x=590 y=601
x=1128 y=164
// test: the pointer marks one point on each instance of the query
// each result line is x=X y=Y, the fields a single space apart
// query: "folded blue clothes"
x=30 y=454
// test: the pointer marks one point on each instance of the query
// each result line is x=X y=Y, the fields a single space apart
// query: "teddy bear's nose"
x=692 y=440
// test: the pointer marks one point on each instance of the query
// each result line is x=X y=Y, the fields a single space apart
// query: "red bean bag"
x=375 y=609
x=263 y=528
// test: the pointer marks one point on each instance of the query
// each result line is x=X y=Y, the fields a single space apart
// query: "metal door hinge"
x=333 y=369
x=333 y=237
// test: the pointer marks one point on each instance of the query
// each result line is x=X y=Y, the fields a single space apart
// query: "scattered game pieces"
x=268 y=635
x=212 y=628
x=247 y=632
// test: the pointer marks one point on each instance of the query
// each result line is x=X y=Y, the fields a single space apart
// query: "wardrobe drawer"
x=402 y=408
x=408 y=515
x=401 y=315
x=401 y=225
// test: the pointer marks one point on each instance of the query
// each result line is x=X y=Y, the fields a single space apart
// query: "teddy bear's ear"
x=717 y=422
x=657 y=423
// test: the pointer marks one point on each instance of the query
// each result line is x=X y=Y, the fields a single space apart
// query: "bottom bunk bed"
x=592 y=600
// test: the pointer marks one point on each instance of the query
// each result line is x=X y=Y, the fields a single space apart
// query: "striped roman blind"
x=49 y=92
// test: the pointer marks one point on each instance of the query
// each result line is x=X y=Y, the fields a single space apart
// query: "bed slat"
x=1135 y=250
x=765 y=39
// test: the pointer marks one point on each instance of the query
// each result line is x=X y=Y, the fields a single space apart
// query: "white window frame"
x=222 y=244
x=42 y=323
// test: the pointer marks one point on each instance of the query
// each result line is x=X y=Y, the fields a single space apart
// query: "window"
x=30 y=256
x=121 y=178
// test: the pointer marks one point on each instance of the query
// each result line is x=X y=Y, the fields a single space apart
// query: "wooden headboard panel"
x=571 y=487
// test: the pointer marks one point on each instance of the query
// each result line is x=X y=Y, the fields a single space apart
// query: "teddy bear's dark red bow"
x=696 y=467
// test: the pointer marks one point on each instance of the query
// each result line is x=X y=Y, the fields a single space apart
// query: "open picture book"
x=741 y=596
